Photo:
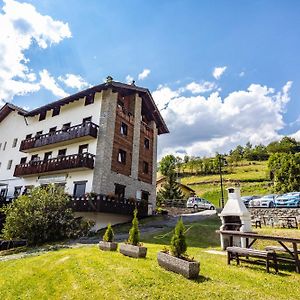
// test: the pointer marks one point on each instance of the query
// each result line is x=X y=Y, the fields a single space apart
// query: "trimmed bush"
x=109 y=234
x=134 y=233
x=178 y=243
x=42 y=216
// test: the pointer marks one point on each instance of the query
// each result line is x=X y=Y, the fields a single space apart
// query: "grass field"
x=88 y=273
x=252 y=176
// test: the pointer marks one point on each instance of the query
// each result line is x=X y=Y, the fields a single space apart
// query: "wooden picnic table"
x=280 y=239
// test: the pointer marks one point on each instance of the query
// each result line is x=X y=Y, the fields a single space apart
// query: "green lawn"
x=252 y=176
x=88 y=273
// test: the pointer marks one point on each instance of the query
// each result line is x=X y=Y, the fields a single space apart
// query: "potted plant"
x=133 y=247
x=107 y=243
x=176 y=259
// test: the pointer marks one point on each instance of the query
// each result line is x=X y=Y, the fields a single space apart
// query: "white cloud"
x=202 y=87
x=73 y=81
x=129 y=79
x=163 y=95
x=49 y=83
x=144 y=74
x=218 y=72
x=203 y=125
x=21 y=25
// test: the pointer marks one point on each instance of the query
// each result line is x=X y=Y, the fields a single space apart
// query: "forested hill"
x=259 y=169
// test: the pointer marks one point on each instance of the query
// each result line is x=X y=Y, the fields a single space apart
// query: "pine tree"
x=109 y=234
x=170 y=189
x=134 y=233
x=178 y=243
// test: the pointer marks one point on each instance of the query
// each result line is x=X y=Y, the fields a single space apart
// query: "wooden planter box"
x=108 y=246
x=133 y=251
x=189 y=269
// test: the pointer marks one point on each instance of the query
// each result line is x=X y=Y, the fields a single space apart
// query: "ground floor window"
x=17 y=191
x=79 y=188
x=3 y=193
x=120 y=191
x=145 y=195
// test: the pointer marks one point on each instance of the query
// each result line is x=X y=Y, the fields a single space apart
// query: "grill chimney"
x=234 y=216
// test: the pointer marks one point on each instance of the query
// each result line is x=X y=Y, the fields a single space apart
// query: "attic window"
x=42 y=116
x=89 y=99
x=56 y=111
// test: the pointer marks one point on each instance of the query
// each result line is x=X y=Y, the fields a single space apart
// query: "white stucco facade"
x=17 y=125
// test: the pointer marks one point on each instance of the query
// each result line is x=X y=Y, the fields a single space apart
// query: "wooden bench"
x=280 y=249
x=237 y=252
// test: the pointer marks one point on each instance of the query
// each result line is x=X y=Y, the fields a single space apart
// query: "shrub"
x=42 y=216
x=134 y=233
x=178 y=243
x=109 y=234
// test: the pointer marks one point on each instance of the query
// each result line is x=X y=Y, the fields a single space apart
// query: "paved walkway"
x=149 y=227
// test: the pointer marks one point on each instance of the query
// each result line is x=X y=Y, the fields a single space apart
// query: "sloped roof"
x=7 y=108
x=116 y=87
x=162 y=179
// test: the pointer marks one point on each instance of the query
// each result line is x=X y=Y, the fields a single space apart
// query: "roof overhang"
x=122 y=88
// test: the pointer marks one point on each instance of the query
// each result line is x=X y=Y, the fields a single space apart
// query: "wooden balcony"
x=102 y=203
x=54 y=165
x=61 y=137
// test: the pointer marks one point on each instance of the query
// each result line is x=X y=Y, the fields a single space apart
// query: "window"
x=146 y=143
x=52 y=130
x=83 y=148
x=9 y=164
x=42 y=116
x=17 y=191
x=4 y=146
x=120 y=104
x=15 y=141
x=56 y=111
x=89 y=99
x=124 y=128
x=3 y=193
x=122 y=156
x=48 y=155
x=145 y=195
x=66 y=126
x=34 y=157
x=0 y=146
x=85 y=120
x=39 y=133
x=23 y=160
x=27 y=189
x=120 y=191
x=0 y=165
x=28 y=136
x=62 y=152
x=145 y=167
x=79 y=188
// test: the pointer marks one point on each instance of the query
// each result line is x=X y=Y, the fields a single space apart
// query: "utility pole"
x=221 y=180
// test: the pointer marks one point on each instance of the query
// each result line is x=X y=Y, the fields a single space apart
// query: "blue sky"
x=256 y=43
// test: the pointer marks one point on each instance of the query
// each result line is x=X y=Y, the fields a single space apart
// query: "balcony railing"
x=102 y=203
x=78 y=131
x=84 y=160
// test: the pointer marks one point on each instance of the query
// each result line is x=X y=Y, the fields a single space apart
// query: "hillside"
x=252 y=176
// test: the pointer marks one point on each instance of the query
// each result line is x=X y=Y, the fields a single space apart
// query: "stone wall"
x=259 y=213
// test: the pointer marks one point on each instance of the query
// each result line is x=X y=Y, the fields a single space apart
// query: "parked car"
x=247 y=199
x=196 y=202
x=264 y=201
x=288 y=200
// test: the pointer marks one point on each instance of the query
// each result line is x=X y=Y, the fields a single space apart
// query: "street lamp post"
x=221 y=180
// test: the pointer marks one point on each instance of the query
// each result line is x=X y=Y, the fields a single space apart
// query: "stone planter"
x=189 y=269
x=108 y=246
x=133 y=251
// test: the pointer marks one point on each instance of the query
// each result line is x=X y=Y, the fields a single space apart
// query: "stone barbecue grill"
x=234 y=216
